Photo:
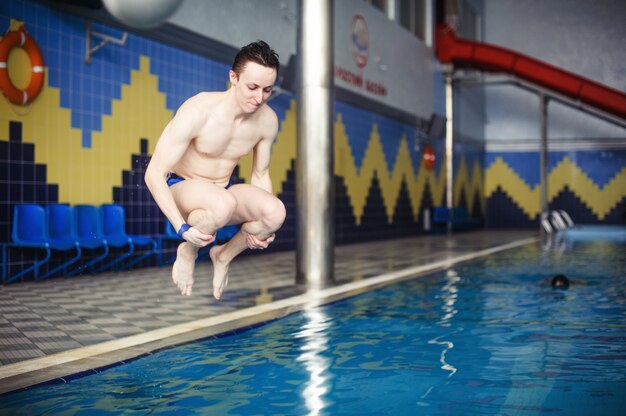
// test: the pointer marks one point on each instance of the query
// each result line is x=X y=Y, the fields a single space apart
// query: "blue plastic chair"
x=114 y=232
x=169 y=235
x=441 y=215
x=89 y=227
x=30 y=230
x=64 y=221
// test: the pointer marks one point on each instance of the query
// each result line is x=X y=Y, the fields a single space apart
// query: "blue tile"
x=78 y=46
x=88 y=86
x=125 y=77
x=44 y=17
x=75 y=119
x=97 y=88
x=85 y=107
x=97 y=123
x=57 y=40
x=117 y=91
x=75 y=83
x=76 y=64
x=86 y=142
x=76 y=101
x=107 y=107
x=54 y=80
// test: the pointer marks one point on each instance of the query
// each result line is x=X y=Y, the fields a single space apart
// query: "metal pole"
x=449 y=147
x=429 y=23
x=315 y=199
x=543 y=156
x=391 y=10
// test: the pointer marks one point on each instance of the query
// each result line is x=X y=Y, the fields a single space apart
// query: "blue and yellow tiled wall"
x=468 y=175
x=589 y=185
x=88 y=136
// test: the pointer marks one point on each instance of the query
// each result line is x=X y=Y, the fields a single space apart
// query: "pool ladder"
x=555 y=221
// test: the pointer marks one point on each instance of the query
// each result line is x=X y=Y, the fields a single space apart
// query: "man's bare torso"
x=220 y=141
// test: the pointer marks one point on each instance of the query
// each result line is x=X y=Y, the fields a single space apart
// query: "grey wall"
x=469 y=112
x=582 y=36
x=397 y=60
x=240 y=22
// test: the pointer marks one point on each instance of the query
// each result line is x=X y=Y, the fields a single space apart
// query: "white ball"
x=142 y=13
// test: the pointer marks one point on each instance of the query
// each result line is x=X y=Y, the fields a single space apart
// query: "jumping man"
x=189 y=174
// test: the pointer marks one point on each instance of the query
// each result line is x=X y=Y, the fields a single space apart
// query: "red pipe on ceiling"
x=461 y=52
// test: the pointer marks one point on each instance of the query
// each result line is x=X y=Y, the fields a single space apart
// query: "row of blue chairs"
x=460 y=220
x=64 y=228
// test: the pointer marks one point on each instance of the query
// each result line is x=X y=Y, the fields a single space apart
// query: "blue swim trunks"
x=225 y=233
x=173 y=179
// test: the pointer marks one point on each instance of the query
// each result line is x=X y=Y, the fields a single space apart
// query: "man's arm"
x=261 y=173
x=171 y=146
x=260 y=176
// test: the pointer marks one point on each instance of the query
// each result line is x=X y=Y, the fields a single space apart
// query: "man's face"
x=253 y=86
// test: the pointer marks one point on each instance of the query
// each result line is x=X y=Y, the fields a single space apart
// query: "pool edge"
x=87 y=360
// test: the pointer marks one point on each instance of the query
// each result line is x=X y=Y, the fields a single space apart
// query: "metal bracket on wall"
x=105 y=39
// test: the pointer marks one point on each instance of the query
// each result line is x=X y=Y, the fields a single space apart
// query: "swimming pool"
x=486 y=337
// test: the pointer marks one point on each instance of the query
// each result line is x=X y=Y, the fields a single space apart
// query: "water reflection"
x=450 y=294
x=315 y=342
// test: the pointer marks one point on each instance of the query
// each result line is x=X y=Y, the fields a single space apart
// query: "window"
x=412 y=16
x=380 y=4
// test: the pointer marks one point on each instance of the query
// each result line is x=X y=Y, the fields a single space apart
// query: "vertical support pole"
x=429 y=23
x=87 y=41
x=391 y=10
x=449 y=148
x=315 y=188
x=543 y=157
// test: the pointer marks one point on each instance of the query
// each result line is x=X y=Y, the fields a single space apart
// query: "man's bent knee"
x=273 y=214
x=216 y=216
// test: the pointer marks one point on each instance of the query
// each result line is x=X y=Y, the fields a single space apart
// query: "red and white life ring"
x=21 y=39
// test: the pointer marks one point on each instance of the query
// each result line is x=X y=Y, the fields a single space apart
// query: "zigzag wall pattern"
x=471 y=184
x=87 y=172
x=87 y=175
x=76 y=169
x=601 y=200
x=374 y=163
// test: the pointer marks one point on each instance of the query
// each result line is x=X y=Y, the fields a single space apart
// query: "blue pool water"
x=490 y=337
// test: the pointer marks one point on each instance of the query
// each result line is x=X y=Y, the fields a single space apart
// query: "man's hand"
x=256 y=244
x=198 y=238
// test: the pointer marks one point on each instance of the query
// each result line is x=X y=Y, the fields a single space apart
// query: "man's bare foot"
x=182 y=272
x=220 y=272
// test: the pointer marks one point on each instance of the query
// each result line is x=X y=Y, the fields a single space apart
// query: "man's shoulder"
x=267 y=121
x=202 y=100
x=199 y=108
x=267 y=115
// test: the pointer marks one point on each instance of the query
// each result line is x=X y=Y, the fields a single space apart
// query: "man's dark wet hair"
x=258 y=52
x=560 y=281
